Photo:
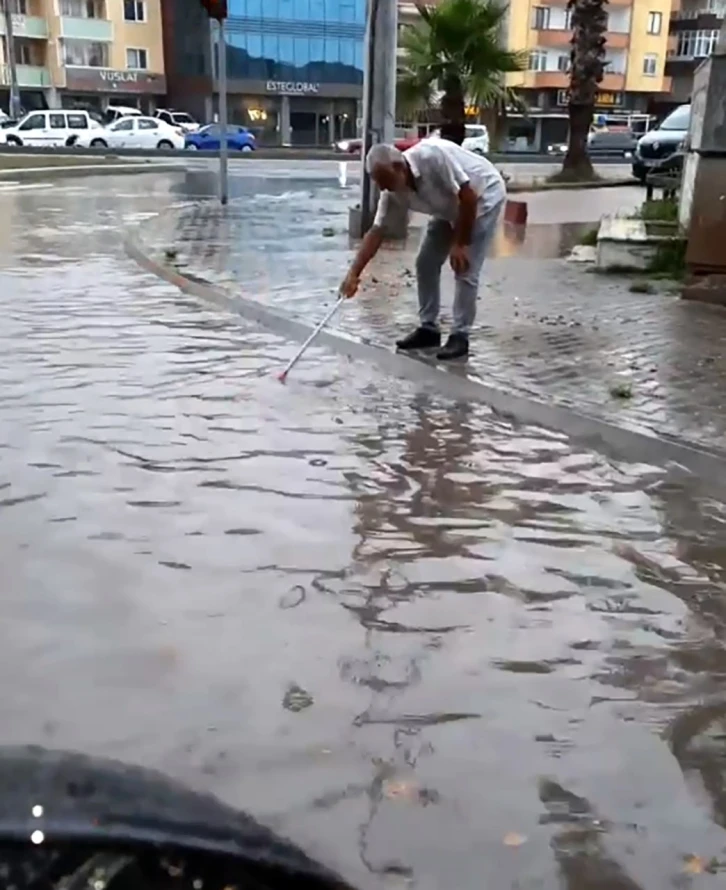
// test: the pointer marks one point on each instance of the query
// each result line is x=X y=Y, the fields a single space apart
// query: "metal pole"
x=379 y=92
x=366 y=197
x=223 y=150
x=14 y=107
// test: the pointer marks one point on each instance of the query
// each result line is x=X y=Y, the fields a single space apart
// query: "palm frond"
x=459 y=41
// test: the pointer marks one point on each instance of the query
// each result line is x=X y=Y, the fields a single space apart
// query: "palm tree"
x=456 y=53
x=587 y=67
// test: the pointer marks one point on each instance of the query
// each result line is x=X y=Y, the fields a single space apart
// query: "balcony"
x=548 y=37
x=554 y=37
x=99 y=30
x=29 y=76
x=617 y=40
x=558 y=80
x=34 y=27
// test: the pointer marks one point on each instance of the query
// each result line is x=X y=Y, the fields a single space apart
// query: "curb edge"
x=618 y=443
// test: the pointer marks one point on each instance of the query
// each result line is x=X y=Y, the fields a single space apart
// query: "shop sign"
x=603 y=99
x=292 y=88
x=107 y=80
x=608 y=100
x=119 y=76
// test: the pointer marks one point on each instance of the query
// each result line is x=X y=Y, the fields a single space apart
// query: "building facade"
x=188 y=57
x=635 y=81
x=694 y=30
x=295 y=68
x=85 y=53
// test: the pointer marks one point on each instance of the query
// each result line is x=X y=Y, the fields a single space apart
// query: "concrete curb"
x=453 y=382
x=25 y=174
x=516 y=187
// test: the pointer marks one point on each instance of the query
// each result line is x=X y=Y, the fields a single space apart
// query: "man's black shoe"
x=421 y=338
x=457 y=346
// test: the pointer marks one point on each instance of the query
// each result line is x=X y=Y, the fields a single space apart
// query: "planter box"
x=631 y=245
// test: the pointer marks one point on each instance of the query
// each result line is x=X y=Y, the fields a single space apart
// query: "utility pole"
x=379 y=93
x=14 y=107
x=223 y=148
x=217 y=10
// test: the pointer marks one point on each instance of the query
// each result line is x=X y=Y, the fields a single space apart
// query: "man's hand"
x=349 y=287
x=459 y=259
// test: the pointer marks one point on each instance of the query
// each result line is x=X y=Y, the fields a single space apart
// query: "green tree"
x=457 y=54
x=587 y=67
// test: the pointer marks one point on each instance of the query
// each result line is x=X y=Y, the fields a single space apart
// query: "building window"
x=135 y=10
x=655 y=22
x=650 y=64
x=23 y=52
x=85 y=54
x=563 y=63
x=538 y=60
x=136 y=59
x=19 y=7
x=82 y=9
x=541 y=18
x=568 y=20
x=696 y=44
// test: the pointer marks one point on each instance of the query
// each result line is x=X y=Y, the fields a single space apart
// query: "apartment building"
x=635 y=80
x=85 y=53
x=694 y=30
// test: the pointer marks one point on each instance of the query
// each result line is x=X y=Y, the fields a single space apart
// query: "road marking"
x=17 y=186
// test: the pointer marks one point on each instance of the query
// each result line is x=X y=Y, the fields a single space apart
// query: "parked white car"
x=49 y=128
x=477 y=139
x=138 y=131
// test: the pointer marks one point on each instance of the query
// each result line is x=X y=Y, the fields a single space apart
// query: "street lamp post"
x=217 y=9
x=223 y=148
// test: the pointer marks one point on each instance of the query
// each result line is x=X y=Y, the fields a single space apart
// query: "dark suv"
x=662 y=142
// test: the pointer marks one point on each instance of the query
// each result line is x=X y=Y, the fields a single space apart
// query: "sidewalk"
x=547 y=328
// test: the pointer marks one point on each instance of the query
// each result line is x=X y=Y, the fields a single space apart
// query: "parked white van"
x=114 y=113
x=49 y=128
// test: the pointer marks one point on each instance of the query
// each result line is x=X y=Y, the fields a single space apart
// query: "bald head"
x=387 y=167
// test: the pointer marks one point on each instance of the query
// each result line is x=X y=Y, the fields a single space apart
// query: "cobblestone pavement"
x=546 y=327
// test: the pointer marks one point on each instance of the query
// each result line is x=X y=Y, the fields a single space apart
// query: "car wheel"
x=99 y=143
x=192 y=147
x=14 y=140
x=165 y=144
x=246 y=148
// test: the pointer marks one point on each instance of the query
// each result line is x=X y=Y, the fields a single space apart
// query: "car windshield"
x=182 y=118
x=680 y=119
x=475 y=131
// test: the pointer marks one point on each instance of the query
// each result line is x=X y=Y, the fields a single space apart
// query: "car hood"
x=664 y=137
x=90 y=800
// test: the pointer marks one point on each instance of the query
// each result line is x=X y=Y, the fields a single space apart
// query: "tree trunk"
x=577 y=161
x=587 y=67
x=453 y=110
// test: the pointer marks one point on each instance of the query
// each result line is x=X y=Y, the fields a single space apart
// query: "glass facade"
x=296 y=41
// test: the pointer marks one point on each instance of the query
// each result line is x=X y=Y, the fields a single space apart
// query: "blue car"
x=209 y=139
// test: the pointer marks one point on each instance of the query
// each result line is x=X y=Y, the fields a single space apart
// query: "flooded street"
x=435 y=647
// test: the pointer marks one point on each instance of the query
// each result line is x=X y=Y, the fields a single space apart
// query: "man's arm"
x=458 y=181
x=466 y=216
x=369 y=247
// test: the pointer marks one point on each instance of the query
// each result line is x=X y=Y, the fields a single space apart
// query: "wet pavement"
x=547 y=329
x=430 y=645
